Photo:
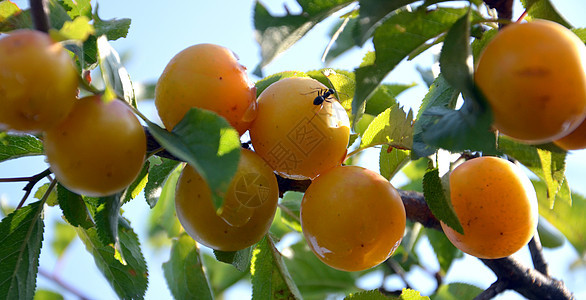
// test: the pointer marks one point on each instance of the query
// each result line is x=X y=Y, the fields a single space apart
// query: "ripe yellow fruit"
x=99 y=149
x=206 y=76
x=247 y=212
x=352 y=218
x=496 y=205
x=534 y=77
x=38 y=82
x=575 y=140
x=298 y=139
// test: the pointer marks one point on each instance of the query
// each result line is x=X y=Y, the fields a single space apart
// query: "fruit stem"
x=354 y=152
x=522 y=17
x=536 y=251
x=137 y=112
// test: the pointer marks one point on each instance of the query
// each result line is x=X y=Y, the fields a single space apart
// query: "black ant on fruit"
x=323 y=95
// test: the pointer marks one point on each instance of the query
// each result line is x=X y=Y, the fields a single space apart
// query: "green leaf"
x=278 y=228
x=86 y=53
x=270 y=277
x=51 y=199
x=395 y=39
x=548 y=235
x=443 y=248
x=106 y=217
x=57 y=14
x=12 y=17
x=544 y=9
x=113 y=29
x=290 y=207
x=566 y=217
x=264 y=83
x=137 y=185
x=352 y=139
x=554 y=167
x=129 y=280
x=437 y=200
x=21 y=237
x=64 y=235
x=409 y=294
x=74 y=209
x=78 y=29
x=457 y=291
x=344 y=41
x=392 y=127
x=548 y=162
x=384 y=97
x=159 y=171
x=468 y=128
x=581 y=33
x=314 y=279
x=113 y=72
x=277 y=34
x=456 y=59
x=220 y=275
x=47 y=295
x=362 y=124
x=424 y=47
x=184 y=271
x=208 y=143
x=368 y=295
x=479 y=44
x=7 y=10
x=372 y=14
x=162 y=219
x=15 y=145
x=77 y=8
x=442 y=95
x=392 y=160
x=239 y=259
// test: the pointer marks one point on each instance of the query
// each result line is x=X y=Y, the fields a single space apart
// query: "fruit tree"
x=315 y=181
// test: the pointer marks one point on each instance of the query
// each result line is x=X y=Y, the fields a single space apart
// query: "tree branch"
x=537 y=255
x=32 y=180
x=39 y=15
x=525 y=281
x=511 y=274
x=494 y=289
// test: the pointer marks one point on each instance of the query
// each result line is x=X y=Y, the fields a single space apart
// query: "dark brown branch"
x=286 y=184
x=32 y=181
x=525 y=281
x=537 y=255
x=39 y=15
x=417 y=210
x=494 y=289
